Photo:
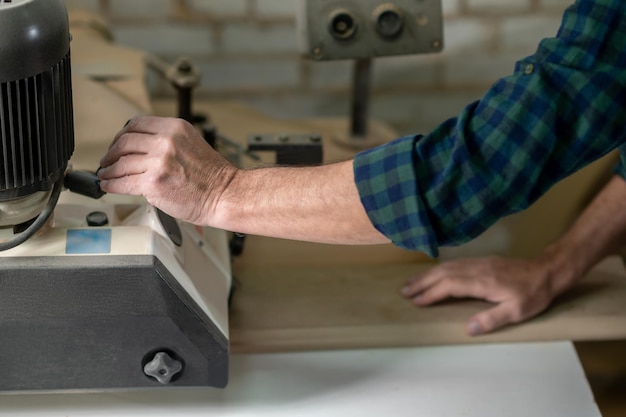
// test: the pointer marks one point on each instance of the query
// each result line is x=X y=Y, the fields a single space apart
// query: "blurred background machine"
x=361 y=31
x=96 y=292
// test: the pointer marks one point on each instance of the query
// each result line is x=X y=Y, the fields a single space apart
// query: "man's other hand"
x=521 y=289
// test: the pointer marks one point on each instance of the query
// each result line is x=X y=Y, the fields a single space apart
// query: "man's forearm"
x=599 y=231
x=169 y=163
x=317 y=204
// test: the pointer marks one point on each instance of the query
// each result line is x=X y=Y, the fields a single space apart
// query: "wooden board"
x=291 y=308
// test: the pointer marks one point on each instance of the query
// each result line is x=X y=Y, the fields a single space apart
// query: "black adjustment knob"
x=163 y=368
x=97 y=219
x=389 y=20
x=342 y=24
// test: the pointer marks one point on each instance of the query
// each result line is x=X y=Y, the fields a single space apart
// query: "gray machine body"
x=93 y=323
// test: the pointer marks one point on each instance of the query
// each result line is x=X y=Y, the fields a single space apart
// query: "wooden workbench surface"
x=304 y=308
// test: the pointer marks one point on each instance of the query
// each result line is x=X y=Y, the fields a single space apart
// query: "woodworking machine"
x=97 y=291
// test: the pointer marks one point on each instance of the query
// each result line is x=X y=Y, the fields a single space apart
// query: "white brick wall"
x=417 y=71
x=556 y=4
x=466 y=36
x=330 y=75
x=90 y=5
x=141 y=8
x=219 y=7
x=276 y=7
x=247 y=50
x=450 y=7
x=250 y=75
x=522 y=34
x=498 y=7
x=171 y=39
x=257 y=39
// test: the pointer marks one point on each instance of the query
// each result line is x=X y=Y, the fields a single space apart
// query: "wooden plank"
x=305 y=308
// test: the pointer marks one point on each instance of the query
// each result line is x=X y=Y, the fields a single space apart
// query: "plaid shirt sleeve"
x=561 y=109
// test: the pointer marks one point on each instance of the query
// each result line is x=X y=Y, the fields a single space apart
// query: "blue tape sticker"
x=81 y=241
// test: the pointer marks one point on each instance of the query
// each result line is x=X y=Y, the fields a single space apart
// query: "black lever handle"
x=84 y=183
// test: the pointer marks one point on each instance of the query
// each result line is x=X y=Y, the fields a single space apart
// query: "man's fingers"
x=127 y=143
x=154 y=125
x=447 y=288
x=493 y=319
x=123 y=185
x=431 y=295
x=150 y=125
x=419 y=283
x=127 y=128
x=133 y=164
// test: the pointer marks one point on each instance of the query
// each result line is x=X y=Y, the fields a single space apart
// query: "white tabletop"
x=542 y=379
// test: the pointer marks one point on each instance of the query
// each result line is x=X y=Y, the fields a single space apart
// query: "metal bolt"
x=184 y=66
x=421 y=19
x=436 y=44
x=283 y=138
x=318 y=52
x=315 y=138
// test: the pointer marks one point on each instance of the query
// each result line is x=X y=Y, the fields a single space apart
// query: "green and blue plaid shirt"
x=561 y=109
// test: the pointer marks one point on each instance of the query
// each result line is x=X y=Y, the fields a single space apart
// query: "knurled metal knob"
x=163 y=367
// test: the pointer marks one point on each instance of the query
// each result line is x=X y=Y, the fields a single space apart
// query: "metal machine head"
x=36 y=117
x=108 y=295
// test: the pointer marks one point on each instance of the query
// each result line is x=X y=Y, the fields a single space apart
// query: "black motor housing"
x=36 y=112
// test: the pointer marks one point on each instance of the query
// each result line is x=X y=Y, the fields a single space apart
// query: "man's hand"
x=520 y=288
x=169 y=163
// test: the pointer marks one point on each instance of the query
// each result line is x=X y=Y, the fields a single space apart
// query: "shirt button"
x=529 y=69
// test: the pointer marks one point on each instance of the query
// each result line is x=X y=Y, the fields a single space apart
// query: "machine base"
x=92 y=323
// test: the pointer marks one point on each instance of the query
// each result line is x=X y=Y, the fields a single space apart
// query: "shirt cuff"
x=389 y=191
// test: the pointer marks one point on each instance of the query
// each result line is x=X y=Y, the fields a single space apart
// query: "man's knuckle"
x=179 y=125
x=122 y=162
x=487 y=322
x=165 y=144
x=517 y=311
x=444 y=283
x=122 y=141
